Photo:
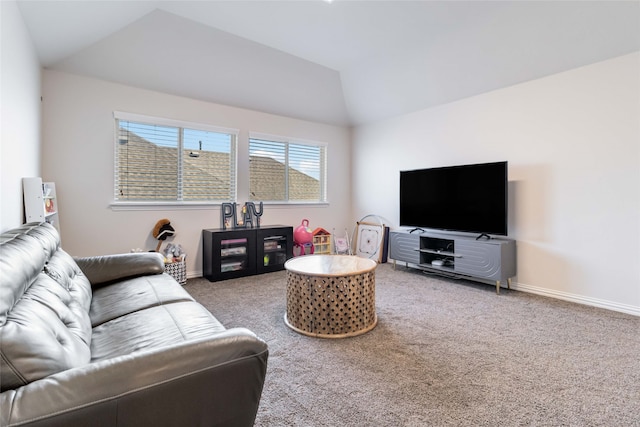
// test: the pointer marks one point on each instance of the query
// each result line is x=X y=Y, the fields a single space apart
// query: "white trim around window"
x=200 y=162
x=133 y=117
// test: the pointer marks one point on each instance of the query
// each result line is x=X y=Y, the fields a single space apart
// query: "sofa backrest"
x=44 y=306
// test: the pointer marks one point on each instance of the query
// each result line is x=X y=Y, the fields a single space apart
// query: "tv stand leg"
x=498 y=285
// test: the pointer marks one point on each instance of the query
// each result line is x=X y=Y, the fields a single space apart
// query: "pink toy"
x=302 y=233
x=303 y=239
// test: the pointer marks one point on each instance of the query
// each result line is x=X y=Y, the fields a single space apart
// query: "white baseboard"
x=595 y=302
x=194 y=274
x=565 y=296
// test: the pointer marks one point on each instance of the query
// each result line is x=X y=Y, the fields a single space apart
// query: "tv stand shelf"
x=491 y=261
x=440 y=253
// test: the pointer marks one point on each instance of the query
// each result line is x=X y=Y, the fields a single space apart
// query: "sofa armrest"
x=103 y=269
x=216 y=381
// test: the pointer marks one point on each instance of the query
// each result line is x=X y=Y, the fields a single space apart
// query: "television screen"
x=467 y=198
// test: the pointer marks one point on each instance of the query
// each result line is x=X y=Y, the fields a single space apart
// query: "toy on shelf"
x=303 y=239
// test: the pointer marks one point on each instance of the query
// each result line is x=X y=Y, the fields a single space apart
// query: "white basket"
x=178 y=270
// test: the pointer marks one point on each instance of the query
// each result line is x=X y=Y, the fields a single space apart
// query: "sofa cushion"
x=44 y=234
x=107 y=269
x=44 y=326
x=128 y=296
x=20 y=263
x=155 y=327
x=45 y=332
x=64 y=270
x=25 y=250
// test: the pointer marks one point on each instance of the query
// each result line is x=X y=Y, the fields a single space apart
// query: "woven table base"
x=331 y=307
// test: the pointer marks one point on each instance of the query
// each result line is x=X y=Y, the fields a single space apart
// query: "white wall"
x=20 y=114
x=572 y=141
x=78 y=152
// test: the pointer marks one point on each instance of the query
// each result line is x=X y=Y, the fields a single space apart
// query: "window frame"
x=323 y=179
x=117 y=204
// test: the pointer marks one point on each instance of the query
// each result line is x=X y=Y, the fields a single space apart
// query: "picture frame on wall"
x=371 y=241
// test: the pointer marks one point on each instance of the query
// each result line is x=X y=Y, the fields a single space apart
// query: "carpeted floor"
x=444 y=353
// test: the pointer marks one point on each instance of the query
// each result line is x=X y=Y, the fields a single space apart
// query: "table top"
x=330 y=265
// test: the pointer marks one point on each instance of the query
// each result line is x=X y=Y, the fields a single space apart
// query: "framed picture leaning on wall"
x=371 y=241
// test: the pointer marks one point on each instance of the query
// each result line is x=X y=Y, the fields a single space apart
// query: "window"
x=160 y=160
x=280 y=170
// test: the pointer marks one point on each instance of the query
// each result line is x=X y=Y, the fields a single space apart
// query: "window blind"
x=156 y=162
x=286 y=171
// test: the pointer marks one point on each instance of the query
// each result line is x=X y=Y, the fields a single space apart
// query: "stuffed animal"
x=173 y=253
x=162 y=230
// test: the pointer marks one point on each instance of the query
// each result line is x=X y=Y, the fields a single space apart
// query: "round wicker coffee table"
x=331 y=296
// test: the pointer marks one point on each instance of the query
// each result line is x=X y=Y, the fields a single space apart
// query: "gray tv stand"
x=484 y=260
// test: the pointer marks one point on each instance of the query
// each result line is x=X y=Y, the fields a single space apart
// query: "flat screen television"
x=465 y=198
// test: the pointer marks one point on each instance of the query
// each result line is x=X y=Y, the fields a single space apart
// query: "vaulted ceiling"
x=342 y=62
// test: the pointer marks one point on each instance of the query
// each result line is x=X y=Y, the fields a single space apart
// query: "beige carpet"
x=444 y=353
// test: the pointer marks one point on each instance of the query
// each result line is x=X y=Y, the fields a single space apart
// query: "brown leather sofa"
x=114 y=341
